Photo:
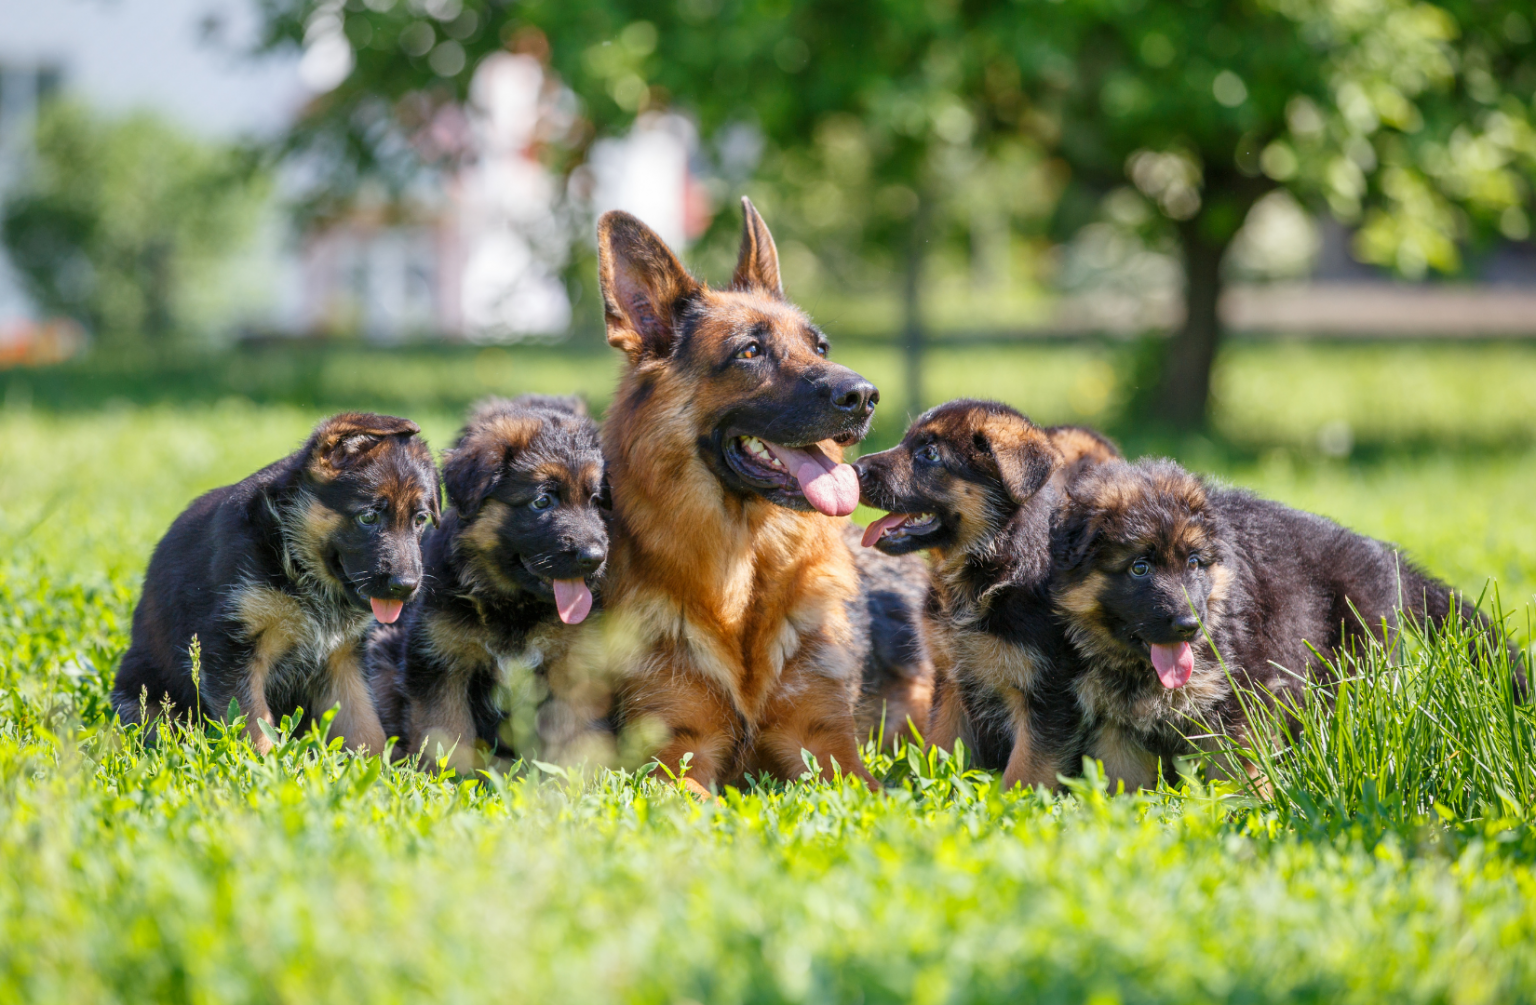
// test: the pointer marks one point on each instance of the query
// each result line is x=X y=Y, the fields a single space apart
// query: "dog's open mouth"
x=1174 y=662
x=830 y=487
x=573 y=598
x=897 y=528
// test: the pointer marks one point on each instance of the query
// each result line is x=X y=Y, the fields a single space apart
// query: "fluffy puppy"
x=976 y=483
x=515 y=560
x=276 y=575
x=1150 y=559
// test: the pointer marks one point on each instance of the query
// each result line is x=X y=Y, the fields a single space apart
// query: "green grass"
x=1395 y=862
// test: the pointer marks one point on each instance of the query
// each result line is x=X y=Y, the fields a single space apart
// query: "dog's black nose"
x=589 y=558
x=1186 y=625
x=401 y=587
x=856 y=395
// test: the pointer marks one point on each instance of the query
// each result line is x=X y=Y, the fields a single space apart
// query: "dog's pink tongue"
x=573 y=600
x=387 y=611
x=831 y=487
x=1173 y=664
x=877 y=528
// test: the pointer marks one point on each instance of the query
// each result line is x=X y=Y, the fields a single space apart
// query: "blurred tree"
x=886 y=120
x=122 y=217
x=1408 y=120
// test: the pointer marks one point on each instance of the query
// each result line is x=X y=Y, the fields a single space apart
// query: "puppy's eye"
x=368 y=518
x=1194 y=562
x=930 y=454
x=822 y=349
x=750 y=351
x=1141 y=568
x=422 y=519
x=542 y=501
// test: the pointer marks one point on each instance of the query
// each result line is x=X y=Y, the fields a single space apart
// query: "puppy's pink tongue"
x=876 y=530
x=830 y=487
x=1173 y=664
x=573 y=601
x=387 y=611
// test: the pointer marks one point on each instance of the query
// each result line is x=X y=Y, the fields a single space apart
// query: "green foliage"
x=126 y=221
x=189 y=869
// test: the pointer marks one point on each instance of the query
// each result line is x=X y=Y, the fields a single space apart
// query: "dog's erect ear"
x=343 y=441
x=757 y=267
x=475 y=465
x=1020 y=453
x=643 y=285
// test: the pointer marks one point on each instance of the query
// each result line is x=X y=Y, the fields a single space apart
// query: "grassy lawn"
x=195 y=872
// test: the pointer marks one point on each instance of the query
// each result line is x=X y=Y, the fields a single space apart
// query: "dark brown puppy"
x=519 y=549
x=975 y=482
x=896 y=690
x=1147 y=555
x=727 y=592
x=276 y=576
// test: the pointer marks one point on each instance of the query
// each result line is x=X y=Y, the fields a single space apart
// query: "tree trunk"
x=1184 y=389
x=913 y=336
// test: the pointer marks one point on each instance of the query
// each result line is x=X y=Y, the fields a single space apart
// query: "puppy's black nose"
x=857 y=396
x=401 y=587
x=1186 y=625
x=589 y=558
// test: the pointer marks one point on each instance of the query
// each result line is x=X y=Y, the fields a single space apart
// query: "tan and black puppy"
x=974 y=482
x=515 y=560
x=727 y=593
x=896 y=686
x=1151 y=559
x=276 y=576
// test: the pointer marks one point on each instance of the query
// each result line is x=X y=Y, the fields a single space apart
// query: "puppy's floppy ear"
x=1074 y=531
x=644 y=286
x=757 y=266
x=471 y=469
x=1093 y=502
x=344 y=440
x=1020 y=453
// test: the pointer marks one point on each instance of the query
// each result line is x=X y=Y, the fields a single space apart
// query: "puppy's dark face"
x=755 y=393
x=1139 y=557
x=960 y=472
x=526 y=477
x=371 y=490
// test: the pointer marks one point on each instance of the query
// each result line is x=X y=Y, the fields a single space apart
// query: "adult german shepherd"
x=978 y=485
x=729 y=582
x=276 y=576
x=518 y=552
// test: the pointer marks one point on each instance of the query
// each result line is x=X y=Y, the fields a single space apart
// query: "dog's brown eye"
x=1194 y=562
x=368 y=518
x=421 y=520
x=542 y=501
x=822 y=350
x=930 y=453
x=1140 y=568
x=750 y=351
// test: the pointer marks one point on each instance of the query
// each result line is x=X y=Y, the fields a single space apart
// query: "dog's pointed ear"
x=757 y=266
x=1020 y=453
x=342 y=441
x=644 y=286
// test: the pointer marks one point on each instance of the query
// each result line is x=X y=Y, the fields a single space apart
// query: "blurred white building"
x=480 y=257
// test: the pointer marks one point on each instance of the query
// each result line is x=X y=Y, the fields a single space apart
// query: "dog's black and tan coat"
x=520 y=548
x=276 y=575
x=977 y=484
x=1151 y=559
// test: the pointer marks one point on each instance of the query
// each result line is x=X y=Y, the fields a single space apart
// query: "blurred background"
x=1284 y=240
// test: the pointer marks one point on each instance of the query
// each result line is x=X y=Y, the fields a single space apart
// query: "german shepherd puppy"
x=1150 y=559
x=276 y=575
x=977 y=484
x=729 y=581
x=519 y=549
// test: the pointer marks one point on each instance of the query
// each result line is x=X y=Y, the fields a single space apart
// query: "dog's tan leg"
x=699 y=720
x=445 y=721
x=814 y=712
x=357 y=721
x=253 y=703
x=946 y=717
x=1124 y=759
